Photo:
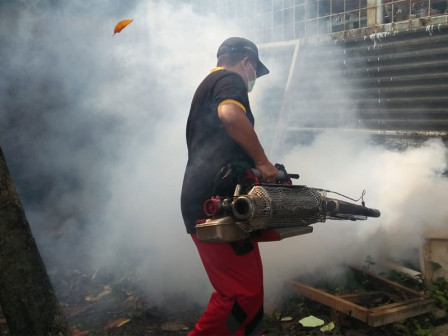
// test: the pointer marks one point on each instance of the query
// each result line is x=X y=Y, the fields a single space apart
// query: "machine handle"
x=282 y=175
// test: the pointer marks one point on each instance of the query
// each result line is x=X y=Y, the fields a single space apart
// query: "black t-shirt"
x=209 y=145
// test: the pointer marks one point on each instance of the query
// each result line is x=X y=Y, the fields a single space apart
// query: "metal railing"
x=325 y=17
x=276 y=20
x=401 y=10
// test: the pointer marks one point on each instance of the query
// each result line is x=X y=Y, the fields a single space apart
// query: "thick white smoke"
x=406 y=186
x=93 y=128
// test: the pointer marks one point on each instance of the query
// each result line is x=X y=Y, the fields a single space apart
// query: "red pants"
x=236 y=305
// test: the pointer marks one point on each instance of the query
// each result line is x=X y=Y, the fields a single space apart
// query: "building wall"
x=393 y=86
x=282 y=20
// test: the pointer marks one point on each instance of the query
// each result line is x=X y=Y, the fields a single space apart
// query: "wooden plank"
x=395 y=304
x=434 y=250
x=390 y=315
x=353 y=297
x=384 y=282
x=413 y=303
x=332 y=301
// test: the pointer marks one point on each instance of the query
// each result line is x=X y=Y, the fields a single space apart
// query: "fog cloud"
x=93 y=130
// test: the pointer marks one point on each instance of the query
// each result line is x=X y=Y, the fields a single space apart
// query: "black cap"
x=242 y=45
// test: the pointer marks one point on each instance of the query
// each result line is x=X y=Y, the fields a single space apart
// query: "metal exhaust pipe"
x=243 y=208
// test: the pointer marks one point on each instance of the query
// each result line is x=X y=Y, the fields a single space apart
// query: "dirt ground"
x=112 y=317
x=100 y=303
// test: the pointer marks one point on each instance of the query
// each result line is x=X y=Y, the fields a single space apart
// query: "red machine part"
x=212 y=206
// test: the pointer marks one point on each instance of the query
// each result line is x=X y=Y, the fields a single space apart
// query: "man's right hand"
x=268 y=172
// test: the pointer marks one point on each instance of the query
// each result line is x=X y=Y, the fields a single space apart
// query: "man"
x=220 y=130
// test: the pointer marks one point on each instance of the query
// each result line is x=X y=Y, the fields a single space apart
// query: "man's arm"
x=241 y=130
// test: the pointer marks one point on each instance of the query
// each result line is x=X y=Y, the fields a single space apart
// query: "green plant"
x=421 y=327
x=439 y=292
x=402 y=279
x=435 y=267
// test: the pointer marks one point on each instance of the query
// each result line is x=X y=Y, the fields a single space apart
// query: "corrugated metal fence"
x=386 y=84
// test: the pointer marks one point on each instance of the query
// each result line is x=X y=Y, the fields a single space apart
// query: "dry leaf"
x=121 y=25
x=123 y=322
x=286 y=319
x=90 y=298
x=106 y=291
x=328 y=327
x=76 y=332
x=173 y=326
x=117 y=323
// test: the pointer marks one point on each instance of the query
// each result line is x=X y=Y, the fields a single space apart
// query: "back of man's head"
x=234 y=49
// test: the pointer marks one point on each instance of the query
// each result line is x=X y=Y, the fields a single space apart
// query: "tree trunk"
x=27 y=298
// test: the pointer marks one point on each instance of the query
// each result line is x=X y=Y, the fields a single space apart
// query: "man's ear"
x=245 y=62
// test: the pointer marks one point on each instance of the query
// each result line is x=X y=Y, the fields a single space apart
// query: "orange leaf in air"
x=121 y=25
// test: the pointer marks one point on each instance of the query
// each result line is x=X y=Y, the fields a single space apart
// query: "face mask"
x=251 y=83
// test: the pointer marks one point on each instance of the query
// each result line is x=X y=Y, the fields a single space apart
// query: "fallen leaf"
x=173 y=326
x=286 y=319
x=90 y=298
x=117 y=323
x=327 y=327
x=276 y=314
x=106 y=291
x=123 y=322
x=311 y=321
x=76 y=332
